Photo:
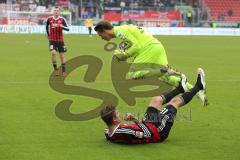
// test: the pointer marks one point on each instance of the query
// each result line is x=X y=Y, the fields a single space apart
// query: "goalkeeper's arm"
x=128 y=47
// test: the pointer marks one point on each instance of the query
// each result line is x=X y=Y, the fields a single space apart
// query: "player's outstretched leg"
x=181 y=88
x=187 y=96
x=170 y=111
x=172 y=78
x=158 y=101
x=200 y=85
x=167 y=75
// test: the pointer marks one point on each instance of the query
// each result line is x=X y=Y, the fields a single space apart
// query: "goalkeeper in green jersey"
x=146 y=51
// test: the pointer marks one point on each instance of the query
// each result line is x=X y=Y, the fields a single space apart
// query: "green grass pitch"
x=30 y=130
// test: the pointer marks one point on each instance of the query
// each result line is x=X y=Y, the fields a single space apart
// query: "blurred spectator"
x=141 y=3
x=220 y=16
x=84 y=13
x=158 y=3
x=88 y=13
x=100 y=8
x=172 y=3
x=91 y=3
x=195 y=4
x=189 y=17
x=230 y=13
x=65 y=12
x=123 y=3
x=136 y=4
x=91 y=13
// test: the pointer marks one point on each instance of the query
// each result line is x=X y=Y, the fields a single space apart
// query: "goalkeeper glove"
x=121 y=55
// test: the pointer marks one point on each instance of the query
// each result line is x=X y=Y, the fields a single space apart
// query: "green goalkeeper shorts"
x=148 y=62
x=154 y=54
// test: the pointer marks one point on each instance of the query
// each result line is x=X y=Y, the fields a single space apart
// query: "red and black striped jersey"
x=54 y=27
x=134 y=133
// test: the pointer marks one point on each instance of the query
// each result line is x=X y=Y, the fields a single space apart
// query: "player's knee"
x=53 y=52
x=156 y=101
x=176 y=102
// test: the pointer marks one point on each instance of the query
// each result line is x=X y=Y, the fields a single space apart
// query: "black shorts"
x=57 y=46
x=162 y=120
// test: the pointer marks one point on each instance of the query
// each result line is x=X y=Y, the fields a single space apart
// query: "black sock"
x=169 y=95
x=198 y=83
x=187 y=96
x=54 y=65
x=63 y=67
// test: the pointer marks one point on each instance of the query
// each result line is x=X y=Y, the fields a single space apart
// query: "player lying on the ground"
x=146 y=51
x=157 y=123
x=54 y=26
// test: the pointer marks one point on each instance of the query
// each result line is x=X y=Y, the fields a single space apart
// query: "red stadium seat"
x=217 y=7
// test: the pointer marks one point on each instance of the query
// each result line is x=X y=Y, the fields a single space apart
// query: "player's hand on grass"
x=121 y=55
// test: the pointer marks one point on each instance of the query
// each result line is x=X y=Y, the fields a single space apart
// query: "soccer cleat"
x=203 y=97
x=56 y=73
x=201 y=79
x=202 y=86
x=182 y=83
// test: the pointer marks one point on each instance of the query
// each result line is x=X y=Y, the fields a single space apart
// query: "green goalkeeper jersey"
x=142 y=45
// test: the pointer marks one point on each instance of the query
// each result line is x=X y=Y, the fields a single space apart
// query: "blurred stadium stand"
x=224 y=10
x=155 y=13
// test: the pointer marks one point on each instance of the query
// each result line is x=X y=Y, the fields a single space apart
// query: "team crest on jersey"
x=124 y=45
x=121 y=35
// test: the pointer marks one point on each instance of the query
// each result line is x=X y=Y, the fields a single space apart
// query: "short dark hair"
x=108 y=113
x=103 y=25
